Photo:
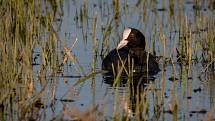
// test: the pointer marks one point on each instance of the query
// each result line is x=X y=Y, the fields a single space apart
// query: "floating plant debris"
x=172 y=78
x=189 y=97
x=67 y=100
x=202 y=111
x=197 y=90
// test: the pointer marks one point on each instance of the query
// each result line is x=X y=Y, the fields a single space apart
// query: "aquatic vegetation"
x=50 y=65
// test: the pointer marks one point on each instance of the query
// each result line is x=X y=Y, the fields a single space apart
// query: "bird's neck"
x=137 y=51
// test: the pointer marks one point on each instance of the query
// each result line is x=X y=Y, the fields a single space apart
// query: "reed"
x=22 y=27
x=29 y=83
x=116 y=9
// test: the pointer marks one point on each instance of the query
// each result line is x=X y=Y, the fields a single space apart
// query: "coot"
x=130 y=55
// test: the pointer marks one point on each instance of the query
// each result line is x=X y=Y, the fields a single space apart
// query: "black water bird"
x=130 y=56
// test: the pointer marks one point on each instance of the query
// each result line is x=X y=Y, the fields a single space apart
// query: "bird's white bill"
x=126 y=33
x=122 y=43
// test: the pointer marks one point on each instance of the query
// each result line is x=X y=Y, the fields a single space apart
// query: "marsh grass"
x=116 y=9
x=22 y=27
x=27 y=27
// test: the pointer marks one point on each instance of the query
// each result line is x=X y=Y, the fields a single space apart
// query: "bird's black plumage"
x=130 y=55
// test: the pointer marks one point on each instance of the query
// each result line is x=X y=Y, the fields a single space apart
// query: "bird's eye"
x=131 y=36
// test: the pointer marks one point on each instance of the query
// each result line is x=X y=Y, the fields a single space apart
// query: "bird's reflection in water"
x=134 y=102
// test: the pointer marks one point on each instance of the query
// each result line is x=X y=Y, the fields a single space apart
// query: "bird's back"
x=144 y=62
x=139 y=61
x=114 y=59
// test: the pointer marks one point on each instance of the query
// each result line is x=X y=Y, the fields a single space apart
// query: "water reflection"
x=68 y=40
x=134 y=95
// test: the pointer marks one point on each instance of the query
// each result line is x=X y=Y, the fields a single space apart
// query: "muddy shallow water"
x=177 y=92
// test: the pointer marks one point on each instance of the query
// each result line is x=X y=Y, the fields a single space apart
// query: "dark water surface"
x=176 y=93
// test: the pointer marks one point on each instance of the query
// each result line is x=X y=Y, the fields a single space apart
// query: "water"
x=193 y=94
